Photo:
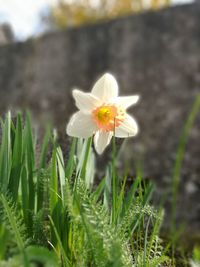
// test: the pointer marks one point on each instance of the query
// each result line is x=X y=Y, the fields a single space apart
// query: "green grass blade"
x=146 y=242
x=29 y=159
x=176 y=175
x=61 y=170
x=179 y=158
x=25 y=198
x=44 y=150
x=85 y=158
x=16 y=160
x=114 y=181
x=131 y=194
x=70 y=163
x=90 y=171
x=42 y=166
x=66 y=261
x=55 y=202
x=4 y=237
x=5 y=153
x=120 y=198
x=107 y=188
x=99 y=190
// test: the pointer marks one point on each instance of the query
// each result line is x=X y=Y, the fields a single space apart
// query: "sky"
x=24 y=15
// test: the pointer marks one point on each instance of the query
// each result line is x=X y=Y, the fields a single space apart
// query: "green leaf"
x=66 y=262
x=131 y=194
x=44 y=150
x=16 y=160
x=55 y=201
x=29 y=159
x=41 y=255
x=13 y=223
x=5 y=153
x=4 y=236
x=70 y=163
x=99 y=190
x=61 y=170
x=25 y=197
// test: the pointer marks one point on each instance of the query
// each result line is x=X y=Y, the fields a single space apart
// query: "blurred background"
x=31 y=18
x=47 y=47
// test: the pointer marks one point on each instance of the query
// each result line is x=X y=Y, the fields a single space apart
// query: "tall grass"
x=176 y=174
x=53 y=213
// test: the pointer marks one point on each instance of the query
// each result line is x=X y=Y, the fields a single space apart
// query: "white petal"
x=128 y=128
x=106 y=88
x=101 y=140
x=81 y=125
x=85 y=101
x=127 y=101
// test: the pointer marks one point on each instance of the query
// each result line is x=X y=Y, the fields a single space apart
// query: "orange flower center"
x=108 y=116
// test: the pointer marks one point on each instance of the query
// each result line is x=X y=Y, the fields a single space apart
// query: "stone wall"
x=6 y=34
x=156 y=55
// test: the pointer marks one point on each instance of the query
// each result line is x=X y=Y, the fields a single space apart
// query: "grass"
x=53 y=212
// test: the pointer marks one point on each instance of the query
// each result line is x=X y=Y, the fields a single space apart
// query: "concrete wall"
x=6 y=34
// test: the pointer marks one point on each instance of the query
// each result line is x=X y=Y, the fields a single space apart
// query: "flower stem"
x=114 y=181
x=87 y=152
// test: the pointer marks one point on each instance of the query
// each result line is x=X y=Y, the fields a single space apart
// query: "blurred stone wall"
x=156 y=55
x=6 y=34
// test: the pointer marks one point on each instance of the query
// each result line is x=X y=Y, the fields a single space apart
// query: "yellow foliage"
x=87 y=11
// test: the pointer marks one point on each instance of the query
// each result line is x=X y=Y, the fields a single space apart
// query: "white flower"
x=102 y=114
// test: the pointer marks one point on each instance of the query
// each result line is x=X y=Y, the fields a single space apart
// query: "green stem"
x=114 y=181
x=87 y=152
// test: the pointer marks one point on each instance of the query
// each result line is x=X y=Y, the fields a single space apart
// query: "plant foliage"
x=53 y=213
